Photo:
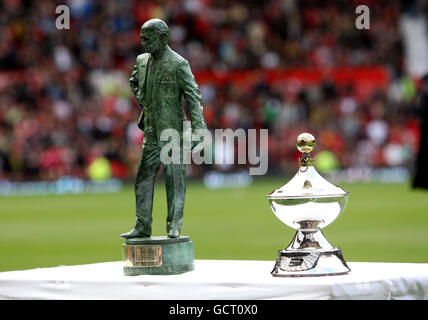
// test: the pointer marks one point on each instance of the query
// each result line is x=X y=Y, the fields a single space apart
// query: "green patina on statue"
x=160 y=79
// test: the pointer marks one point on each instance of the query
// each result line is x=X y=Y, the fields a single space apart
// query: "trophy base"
x=310 y=263
x=157 y=256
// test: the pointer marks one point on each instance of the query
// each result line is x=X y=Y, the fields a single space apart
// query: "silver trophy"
x=308 y=203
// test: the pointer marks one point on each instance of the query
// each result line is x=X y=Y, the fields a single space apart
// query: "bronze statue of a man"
x=160 y=79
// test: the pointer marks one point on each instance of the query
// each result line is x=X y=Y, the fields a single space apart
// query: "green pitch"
x=382 y=223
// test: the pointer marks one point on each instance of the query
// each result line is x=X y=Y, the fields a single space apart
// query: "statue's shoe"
x=134 y=233
x=174 y=232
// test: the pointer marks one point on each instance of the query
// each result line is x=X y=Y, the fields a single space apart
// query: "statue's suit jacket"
x=171 y=80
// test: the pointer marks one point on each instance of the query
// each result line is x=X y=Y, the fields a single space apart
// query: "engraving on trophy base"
x=302 y=262
x=307 y=263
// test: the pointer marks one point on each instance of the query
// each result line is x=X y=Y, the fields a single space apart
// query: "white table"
x=216 y=280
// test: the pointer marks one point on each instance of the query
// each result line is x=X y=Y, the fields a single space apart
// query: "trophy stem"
x=310 y=238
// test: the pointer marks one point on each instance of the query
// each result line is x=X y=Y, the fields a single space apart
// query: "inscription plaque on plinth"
x=158 y=255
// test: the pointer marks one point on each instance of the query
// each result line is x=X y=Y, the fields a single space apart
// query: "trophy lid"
x=307 y=183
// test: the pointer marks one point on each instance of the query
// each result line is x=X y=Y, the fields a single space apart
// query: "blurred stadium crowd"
x=65 y=101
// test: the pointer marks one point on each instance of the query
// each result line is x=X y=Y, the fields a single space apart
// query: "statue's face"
x=151 y=41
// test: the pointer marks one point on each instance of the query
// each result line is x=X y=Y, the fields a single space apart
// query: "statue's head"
x=154 y=35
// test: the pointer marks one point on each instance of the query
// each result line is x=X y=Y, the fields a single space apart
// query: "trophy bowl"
x=308 y=203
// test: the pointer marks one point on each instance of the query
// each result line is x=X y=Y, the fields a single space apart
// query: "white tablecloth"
x=216 y=280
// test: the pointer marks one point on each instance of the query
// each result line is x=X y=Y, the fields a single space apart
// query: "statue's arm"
x=133 y=82
x=192 y=95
